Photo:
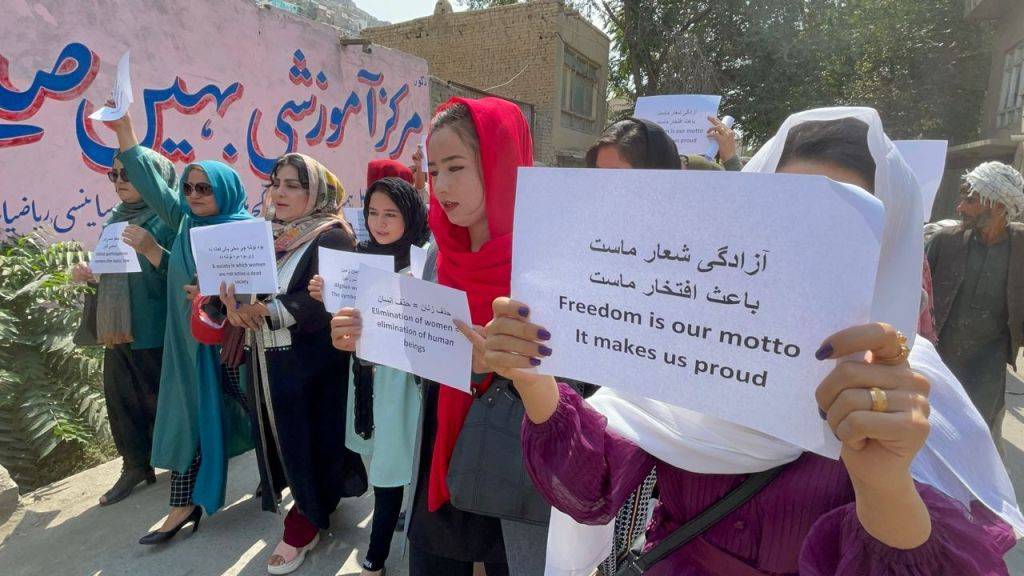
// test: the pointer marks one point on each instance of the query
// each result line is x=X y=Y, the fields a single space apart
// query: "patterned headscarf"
x=322 y=210
x=998 y=183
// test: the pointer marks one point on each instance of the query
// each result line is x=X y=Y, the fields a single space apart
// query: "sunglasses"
x=112 y=175
x=201 y=189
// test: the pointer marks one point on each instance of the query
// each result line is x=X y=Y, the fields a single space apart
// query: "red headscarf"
x=383 y=168
x=486 y=274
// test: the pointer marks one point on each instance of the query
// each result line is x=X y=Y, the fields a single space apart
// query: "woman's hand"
x=316 y=288
x=250 y=316
x=476 y=334
x=139 y=239
x=725 y=137
x=123 y=128
x=346 y=327
x=512 y=347
x=191 y=291
x=82 y=273
x=879 y=410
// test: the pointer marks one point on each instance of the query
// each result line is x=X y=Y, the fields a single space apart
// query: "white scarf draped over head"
x=998 y=183
x=959 y=458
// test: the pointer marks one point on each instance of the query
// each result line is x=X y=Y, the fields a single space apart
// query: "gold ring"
x=879 y=400
x=346 y=336
x=900 y=338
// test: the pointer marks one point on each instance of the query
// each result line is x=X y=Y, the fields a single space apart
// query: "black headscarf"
x=417 y=231
x=414 y=213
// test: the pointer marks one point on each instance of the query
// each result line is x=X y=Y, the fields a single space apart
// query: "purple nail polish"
x=822 y=414
x=544 y=351
x=524 y=311
x=543 y=334
x=535 y=361
x=825 y=352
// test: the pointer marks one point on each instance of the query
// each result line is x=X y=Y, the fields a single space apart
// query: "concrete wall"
x=512 y=51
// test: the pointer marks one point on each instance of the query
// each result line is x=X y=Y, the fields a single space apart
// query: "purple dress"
x=804 y=522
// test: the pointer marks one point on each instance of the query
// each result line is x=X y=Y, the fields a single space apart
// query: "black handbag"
x=486 y=475
x=638 y=564
x=85 y=335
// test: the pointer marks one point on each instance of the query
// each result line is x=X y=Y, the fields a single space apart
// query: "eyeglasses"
x=112 y=175
x=201 y=189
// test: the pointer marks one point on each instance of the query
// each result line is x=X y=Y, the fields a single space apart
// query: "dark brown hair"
x=841 y=142
x=458 y=118
x=641 y=143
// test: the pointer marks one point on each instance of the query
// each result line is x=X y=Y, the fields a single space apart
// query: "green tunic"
x=190 y=406
x=396 y=419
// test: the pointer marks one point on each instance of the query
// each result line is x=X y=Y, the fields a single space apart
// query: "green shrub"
x=51 y=393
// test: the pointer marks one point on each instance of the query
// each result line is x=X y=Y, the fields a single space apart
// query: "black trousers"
x=426 y=564
x=387 y=505
x=131 y=380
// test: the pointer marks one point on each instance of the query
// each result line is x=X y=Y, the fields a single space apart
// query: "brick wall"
x=512 y=51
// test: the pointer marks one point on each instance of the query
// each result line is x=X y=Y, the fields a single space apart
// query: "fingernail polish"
x=822 y=414
x=535 y=362
x=825 y=352
x=543 y=334
x=524 y=311
x=544 y=351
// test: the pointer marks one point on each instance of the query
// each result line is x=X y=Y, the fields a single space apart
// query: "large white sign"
x=710 y=291
x=112 y=255
x=408 y=324
x=927 y=159
x=340 y=271
x=239 y=253
x=683 y=116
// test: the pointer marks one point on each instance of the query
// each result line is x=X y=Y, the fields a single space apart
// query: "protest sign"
x=683 y=116
x=112 y=255
x=239 y=253
x=121 y=94
x=340 y=271
x=927 y=159
x=354 y=216
x=709 y=291
x=408 y=325
x=417 y=261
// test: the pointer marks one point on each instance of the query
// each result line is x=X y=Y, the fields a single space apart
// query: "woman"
x=201 y=406
x=633 y=143
x=130 y=314
x=299 y=403
x=478 y=146
x=385 y=404
x=861 y=515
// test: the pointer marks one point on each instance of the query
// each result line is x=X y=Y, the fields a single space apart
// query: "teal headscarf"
x=229 y=193
x=216 y=411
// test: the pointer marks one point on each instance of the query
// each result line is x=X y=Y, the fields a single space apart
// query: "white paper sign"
x=112 y=255
x=683 y=116
x=354 y=215
x=710 y=291
x=417 y=261
x=927 y=159
x=407 y=325
x=239 y=253
x=340 y=271
x=122 y=94
x=423 y=155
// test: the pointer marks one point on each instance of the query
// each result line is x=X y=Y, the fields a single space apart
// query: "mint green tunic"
x=396 y=419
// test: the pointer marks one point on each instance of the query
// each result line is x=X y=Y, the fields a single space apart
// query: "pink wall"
x=212 y=79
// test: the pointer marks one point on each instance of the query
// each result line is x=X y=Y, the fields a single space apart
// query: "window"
x=579 y=92
x=1011 y=99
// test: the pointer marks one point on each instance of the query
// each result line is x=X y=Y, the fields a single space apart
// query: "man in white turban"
x=978 y=285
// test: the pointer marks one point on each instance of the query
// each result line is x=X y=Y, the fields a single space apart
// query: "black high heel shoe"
x=158 y=537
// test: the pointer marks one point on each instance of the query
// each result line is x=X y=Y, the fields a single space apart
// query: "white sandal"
x=294 y=563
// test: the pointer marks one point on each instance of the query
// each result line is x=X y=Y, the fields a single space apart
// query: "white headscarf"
x=959 y=457
x=998 y=183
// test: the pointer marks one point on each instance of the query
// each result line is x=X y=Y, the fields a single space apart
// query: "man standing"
x=978 y=283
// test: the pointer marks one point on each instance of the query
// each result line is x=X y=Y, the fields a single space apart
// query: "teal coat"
x=192 y=410
x=148 y=291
